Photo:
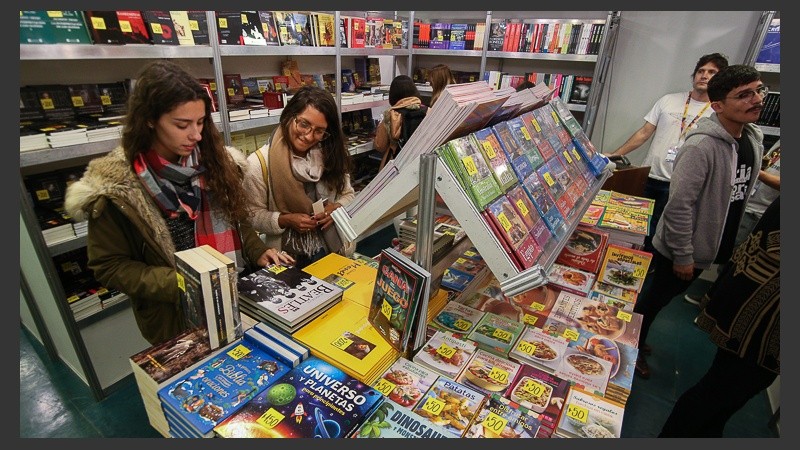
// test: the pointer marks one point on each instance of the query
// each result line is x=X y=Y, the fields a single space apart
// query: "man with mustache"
x=714 y=175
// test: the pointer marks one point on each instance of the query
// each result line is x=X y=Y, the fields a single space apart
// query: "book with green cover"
x=53 y=27
x=474 y=173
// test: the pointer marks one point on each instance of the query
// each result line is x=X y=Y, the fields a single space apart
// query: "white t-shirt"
x=666 y=115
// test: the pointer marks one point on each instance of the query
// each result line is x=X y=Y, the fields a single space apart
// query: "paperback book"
x=570 y=279
x=500 y=417
x=624 y=267
x=392 y=420
x=513 y=230
x=446 y=353
x=587 y=415
x=542 y=393
x=493 y=153
x=488 y=373
x=496 y=334
x=405 y=382
x=540 y=349
x=451 y=405
x=457 y=318
x=464 y=158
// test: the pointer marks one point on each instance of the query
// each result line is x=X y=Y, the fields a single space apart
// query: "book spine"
x=284 y=339
x=272 y=347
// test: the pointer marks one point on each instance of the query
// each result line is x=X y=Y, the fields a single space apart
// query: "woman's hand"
x=301 y=223
x=324 y=219
x=272 y=256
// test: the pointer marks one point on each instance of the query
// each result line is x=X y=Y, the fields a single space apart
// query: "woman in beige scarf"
x=304 y=161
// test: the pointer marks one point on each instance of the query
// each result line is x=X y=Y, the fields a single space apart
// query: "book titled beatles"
x=405 y=382
x=500 y=417
x=313 y=400
x=400 y=287
x=513 y=230
x=451 y=405
x=624 y=267
x=392 y=420
x=584 y=249
x=287 y=295
x=587 y=415
x=213 y=391
x=542 y=393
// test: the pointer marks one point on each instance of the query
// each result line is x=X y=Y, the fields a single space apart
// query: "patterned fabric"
x=178 y=188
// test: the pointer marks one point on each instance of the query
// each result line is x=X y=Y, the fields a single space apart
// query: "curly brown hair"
x=160 y=87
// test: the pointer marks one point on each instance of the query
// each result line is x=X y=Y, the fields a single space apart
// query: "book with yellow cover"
x=643 y=204
x=354 y=276
x=624 y=267
x=631 y=220
x=343 y=336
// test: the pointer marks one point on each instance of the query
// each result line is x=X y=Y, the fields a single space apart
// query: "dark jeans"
x=302 y=261
x=660 y=287
x=659 y=191
x=705 y=408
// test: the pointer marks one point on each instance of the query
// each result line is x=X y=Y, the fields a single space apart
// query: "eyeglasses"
x=747 y=96
x=304 y=128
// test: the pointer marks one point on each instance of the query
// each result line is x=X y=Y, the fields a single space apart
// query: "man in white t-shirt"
x=668 y=122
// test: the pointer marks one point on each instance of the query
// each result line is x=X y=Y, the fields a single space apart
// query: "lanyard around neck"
x=684 y=127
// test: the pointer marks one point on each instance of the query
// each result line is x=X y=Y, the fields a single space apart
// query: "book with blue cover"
x=213 y=391
x=523 y=137
x=546 y=206
x=770 y=52
x=315 y=399
x=513 y=151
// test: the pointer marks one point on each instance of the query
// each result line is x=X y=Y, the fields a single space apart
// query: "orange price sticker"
x=530 y=319
x=494 y=423
x=639 y=272
x=624 y=315
x=384 y=386
x=238 y=352
x=433 y=406
x=501 y=334
x=270 y=419
x=462 y=324
x=489 y=150
x=526 y=347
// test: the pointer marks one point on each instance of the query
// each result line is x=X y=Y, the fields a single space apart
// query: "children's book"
x=314 y=400
x=500 y=417
x=624 y=267
x=392 y=420
x=405 y=382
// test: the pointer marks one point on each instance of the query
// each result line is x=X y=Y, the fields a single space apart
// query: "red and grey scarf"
x=178 y=187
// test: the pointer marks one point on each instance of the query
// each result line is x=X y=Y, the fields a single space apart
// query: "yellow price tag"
x=386 y=309
x=384 y=386
x=534 y=388
x=470 y=253
x=624 y=315
x=433 y=406
x=98 y=23
x=43 y=194
x=298 y=28
x=572 y=335
x=156 y=28
x=462 y=324
x=47 y=103
x=77 y=101
x=504 y=221
x=578 y=413
x=501 y=334
x=244 y=19
x=343 y=282
x=342 y=342
x=102 y=291
x=52 y=13
x=499 y=375
x=231 y=91
x=238 y=352
x=567 y=157
x=536 y=126
x=223 y=22
x=522 y=208
x=536 y=306
x=525 y=133
x=72 y=298
x=355 y=26
x=105 y=100
x=526 y=347
x=549 y=179
x=494 y=423
x=276 y=269
x=469 y=164
x=270 y=419
x=461 y=260
x=125 y=26
x=213 y=86
x=577 y=155
x=529 y=319
x=555 y=116
x=446 y=351
x=194 y=26
x=489 y=150
x=181 y=282
x=639 y=272
x=245 y=90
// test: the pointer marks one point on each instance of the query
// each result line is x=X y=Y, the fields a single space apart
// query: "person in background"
x=524 y=85
x=171 y=185
x=767 y=189
x=712 y=180
x=439 y=76
x=403 y=97
x=668 y=122
x=305 y=161
x=743 y=319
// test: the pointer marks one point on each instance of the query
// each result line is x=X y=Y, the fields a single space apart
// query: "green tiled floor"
x=55 y=403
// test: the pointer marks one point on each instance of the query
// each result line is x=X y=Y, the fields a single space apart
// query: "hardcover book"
x=587 y=415
x=542 y=393
x=585 y=370
x=496 y=334
x=53 y=27
x=445 y=353
x=401 y=287
x=201 y=295
x=455 y=280
x=252 y=31
x=287 y=295
x=602 y=319
x=162 y=29
x=229 y=27
x=315 y=399
x=488 y=373
x=584 y=249
x=770 y=52
x=392 y=420
x=626 y=295
x=162 y=361
x=214 y=391
x=198 y=24
x=539 y=349
x=624 y=267
x=104 y=27
x=405 y=382
x=500 y=417
x=182 y=27
x=269 y=28
x=134 y=29
x=451 y=405
x=457 y=318
x=571 y=279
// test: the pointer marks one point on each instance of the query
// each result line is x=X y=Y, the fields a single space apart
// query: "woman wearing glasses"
x=304 y=162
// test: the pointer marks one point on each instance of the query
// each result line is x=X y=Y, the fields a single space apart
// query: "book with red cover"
x=489 y=219
x=358 y=27
x=584 y=249
x=161 y=27
x=233 y=88
x=514 y=231
x=134 y=30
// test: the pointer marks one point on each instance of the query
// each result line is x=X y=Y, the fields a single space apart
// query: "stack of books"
x=355 y=276
x=286 y=296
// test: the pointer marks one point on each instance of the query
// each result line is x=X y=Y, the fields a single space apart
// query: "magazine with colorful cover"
x=392 y=420
x=573 y=313
x=530 y=215
x=405 y=382
x=469 y=164
x=500 y=417
x=585 y=370
x=628 y=296
x=314 y=400
x=450 y=404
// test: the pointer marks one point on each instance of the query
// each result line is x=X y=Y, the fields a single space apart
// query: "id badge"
x=672 y=152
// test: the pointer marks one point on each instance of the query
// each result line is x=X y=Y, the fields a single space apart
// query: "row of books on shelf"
x=771 y=112
x=546 y=36
x=452 y=36
x=571 y=88
x=480 y=362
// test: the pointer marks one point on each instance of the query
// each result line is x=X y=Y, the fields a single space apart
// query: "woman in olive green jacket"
x=171 y=185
